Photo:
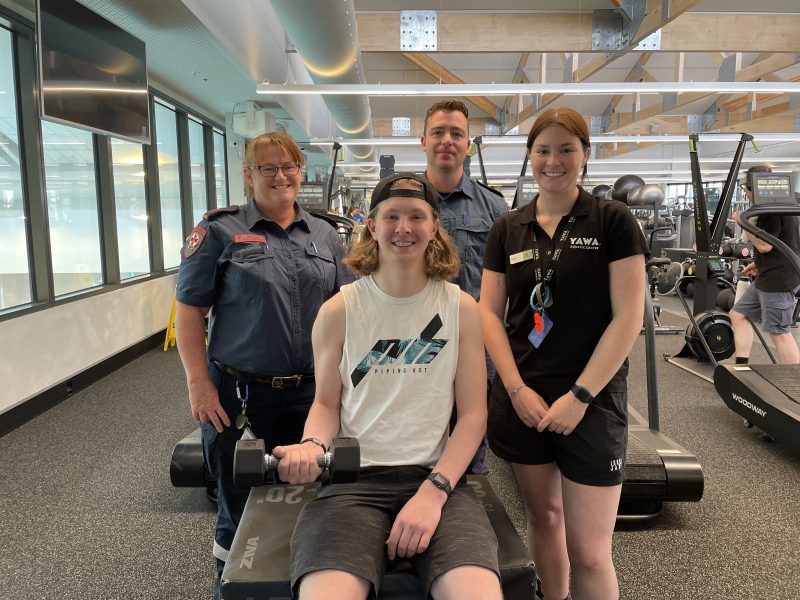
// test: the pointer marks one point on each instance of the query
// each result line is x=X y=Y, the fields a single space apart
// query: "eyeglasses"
x=271 y=170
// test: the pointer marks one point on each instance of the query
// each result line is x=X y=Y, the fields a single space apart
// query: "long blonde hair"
x=441 y=254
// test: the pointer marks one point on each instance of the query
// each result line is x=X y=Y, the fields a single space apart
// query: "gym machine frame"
x=760 y=393
x=703 y=316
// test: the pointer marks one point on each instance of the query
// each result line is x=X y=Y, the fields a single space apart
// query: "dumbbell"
x=251 y=462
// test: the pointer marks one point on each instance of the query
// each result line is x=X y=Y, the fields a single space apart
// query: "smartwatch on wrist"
x=582 y=394
x=441 y=482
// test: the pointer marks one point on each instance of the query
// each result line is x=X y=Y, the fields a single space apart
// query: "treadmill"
x=767 y=396
x=657 y=469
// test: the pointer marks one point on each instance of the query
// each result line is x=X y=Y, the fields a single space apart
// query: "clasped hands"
x=562 y=417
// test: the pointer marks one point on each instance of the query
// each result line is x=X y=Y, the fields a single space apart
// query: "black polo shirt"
x=604 y=231
x=775 y=272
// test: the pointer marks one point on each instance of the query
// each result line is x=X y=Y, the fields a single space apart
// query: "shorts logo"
x=616 y=464
x=419 y=351
x=584 y=243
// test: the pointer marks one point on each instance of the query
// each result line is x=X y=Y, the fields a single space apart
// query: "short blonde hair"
x=280 y=139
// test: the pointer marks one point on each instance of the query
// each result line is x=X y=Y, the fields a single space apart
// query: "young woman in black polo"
x=566 y=273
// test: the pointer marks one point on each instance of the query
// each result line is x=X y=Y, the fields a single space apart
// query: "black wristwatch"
x=582 y=394
x=441 y=482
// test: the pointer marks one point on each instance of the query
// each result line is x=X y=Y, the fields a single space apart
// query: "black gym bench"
x=258 y=564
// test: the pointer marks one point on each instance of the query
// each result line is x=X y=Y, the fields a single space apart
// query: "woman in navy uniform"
x=570 y=268
x=260 y=273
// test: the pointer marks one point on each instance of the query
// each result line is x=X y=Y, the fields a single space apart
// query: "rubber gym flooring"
x=87 y=510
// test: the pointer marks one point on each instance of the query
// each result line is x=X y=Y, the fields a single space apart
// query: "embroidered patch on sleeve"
x=194 y=241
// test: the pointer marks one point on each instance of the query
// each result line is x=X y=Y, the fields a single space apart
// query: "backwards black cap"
x=383 y=190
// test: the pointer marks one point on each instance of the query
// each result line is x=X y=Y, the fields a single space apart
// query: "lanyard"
x=552 y=262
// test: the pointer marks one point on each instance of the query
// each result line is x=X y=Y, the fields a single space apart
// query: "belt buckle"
x=279 y=383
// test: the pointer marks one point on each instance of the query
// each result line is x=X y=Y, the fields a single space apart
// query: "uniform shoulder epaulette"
x=214 y=213
x=491 y=189
x=330 y=219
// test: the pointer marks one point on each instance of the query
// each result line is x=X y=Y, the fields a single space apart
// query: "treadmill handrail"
x=743 y=219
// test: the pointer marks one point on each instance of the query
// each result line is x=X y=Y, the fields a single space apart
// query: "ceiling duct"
x=326 y=39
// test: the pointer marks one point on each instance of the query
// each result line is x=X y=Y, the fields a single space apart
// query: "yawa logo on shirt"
x=584 y=243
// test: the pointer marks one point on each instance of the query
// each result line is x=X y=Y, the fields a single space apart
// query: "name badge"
x=521 y=257
x=249 y=237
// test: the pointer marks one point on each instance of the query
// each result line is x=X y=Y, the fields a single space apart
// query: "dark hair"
x=448 y=105
x=748 y=177
x=569 y=119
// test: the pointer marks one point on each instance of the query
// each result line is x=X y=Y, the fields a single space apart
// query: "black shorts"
x=593 y=454
x=347 y=526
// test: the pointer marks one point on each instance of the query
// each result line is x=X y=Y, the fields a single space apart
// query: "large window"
x=15 y=281
x=71 y=208
x=220 y=183
x=197 y=158
x=169 y=184
x=129 y=195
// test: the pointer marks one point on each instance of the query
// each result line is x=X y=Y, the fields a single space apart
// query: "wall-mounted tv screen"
x=92 y=73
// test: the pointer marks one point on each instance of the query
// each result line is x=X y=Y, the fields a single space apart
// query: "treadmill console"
x=772 y=188
x=312 y=197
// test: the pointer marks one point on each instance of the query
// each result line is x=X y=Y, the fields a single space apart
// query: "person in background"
x=395 y=351
x=567 y=274
x=467 y=208
x=770 y=299
x=259 y=272
x=355 y=214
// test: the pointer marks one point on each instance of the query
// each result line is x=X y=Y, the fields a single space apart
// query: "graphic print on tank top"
x=420 y=351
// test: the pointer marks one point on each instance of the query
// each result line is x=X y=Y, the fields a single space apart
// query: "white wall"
x=42 y=349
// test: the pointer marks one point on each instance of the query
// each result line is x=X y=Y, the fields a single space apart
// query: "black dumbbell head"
x=345 y=460
x=248 y=463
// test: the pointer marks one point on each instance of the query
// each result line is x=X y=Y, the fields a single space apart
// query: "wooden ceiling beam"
x=572 y=32
x=430 y=66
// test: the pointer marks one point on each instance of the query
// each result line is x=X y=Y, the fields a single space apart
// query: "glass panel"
x=220 y=184
x=71 y=208
x=169 y=185
x=197 y=158
x=15 y=280
x=129 y=195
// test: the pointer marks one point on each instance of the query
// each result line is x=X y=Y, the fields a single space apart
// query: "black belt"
x=279 y=383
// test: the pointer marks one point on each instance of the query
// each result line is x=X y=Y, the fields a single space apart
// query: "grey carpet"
x=87 y=510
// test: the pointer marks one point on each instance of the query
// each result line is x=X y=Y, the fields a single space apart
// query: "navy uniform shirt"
x=467 y=214
x=604 y=231
x=265 y=285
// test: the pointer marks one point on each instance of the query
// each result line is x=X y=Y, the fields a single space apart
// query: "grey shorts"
x=347 y=526
x=774 y=310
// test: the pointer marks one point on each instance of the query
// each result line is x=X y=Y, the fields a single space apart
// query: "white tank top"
x=397 y=369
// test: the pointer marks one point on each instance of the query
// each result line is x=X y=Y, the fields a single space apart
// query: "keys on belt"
x=278 y=383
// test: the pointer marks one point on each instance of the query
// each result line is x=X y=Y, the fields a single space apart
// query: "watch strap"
x=441 y=482
x=582 y=394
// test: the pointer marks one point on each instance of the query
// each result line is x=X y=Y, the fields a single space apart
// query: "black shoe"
x=765 y=437
x=211 y=494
